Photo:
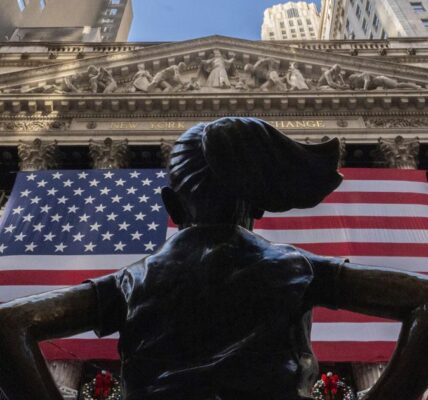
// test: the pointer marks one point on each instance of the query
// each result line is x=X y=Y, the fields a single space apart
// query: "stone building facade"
x=115 y=105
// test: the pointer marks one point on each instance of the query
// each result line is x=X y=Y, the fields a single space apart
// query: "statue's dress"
x=217 y=311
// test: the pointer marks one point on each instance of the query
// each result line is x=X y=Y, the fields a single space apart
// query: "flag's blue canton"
x=84 y=212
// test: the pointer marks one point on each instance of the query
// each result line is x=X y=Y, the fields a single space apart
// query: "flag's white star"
x=120 y=182
x=25 y=193
x=119 y=246
x=108 y=175
x=28 y=217
x=93 y=183
x=20 y=237
x=89 y=200
x=62 y=200
x=17 y=210
x=38 y=227
x=90 y=246
x=111 y=217
x=82 y=175
x=2 y=248
x=136 y=235
x=60 y=247
x=78 y=191
x=134 y=174
x=68 y=183
x=158 y=190
x=73 y=209
x=9 y=229
x=56 y=217
x=128 y=207
x=30 y=247
x=95 y=227
x=140 y=216
x=52 y=191
x=45 y=208
x=160 y=174
x=152 y=226
x=124 y=226
x=84 y=218
x=116 y=199
x=107 y=235
x=150 y=246
x=36 y=200
x=156 y=207
x=100 y=208
x=106 y=190
x=78 y=237
x=143 y=198
x=42 y=183
x=57 y=175
x=31 y=177
x=146 y=182
x=131 y=190
x=49 y=237
x=67 y=227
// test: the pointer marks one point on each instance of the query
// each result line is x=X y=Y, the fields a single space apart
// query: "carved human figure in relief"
x=216 y=70
x=219 y=312
x=142 y=79
x=109 y=154
x=367 y=81
x=101 y=80
x=169 y=79
x=36 y=156
x=332 y=79
x=265 y=75
x=295 y=78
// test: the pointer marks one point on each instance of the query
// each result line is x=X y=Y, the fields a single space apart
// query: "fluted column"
x=36 y=156
x=109 y=153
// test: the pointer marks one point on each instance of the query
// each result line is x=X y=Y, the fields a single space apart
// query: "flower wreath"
x=331 y=387
x=103 y=387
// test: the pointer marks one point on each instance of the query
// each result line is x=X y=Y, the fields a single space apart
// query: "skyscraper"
x=291 y=21
x=65 y=20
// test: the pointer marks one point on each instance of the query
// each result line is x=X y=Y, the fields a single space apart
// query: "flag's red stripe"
x=369 y=352
x=367 y=249
x=342 y=222
x=377 y=198
x=48 y=277
x=106 y=349
x=321 y=314
x=381 y=174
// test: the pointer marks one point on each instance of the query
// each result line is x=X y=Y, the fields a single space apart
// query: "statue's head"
x=336 y=68
x=232 y=170
x=182 y=66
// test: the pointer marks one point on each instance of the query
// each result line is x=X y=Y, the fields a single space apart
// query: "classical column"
x=399 y=152
x=402 y=154
x=36 y=156
x=109 y=154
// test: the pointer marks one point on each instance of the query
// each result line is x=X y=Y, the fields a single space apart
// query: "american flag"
x=62 y=227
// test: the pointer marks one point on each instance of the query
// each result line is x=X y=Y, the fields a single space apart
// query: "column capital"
x=399 y=152
x=36 y=156
x=109 y=153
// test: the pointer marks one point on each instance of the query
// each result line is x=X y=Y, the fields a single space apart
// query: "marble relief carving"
x=218 y=74
x=36 y=156
x=109 y=153
x=399 y=152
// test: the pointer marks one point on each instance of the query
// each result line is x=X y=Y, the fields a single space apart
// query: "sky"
x=172 y=20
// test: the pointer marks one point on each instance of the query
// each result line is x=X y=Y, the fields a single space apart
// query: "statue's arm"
x=24 y=322
x=390 y=294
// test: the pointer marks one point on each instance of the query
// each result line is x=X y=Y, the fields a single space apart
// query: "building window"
x=284 y=33
x=310 y=28
x=347 y=24
x=282 y=25
x=113 y=12
x=368 y=7
x=284 y=36
x=299 y=22
x=291 y=22
x=418 y=7
x=371 y=35
x=115 y=2
x=21 y=4
x=425 y=22
x=271 y=34
x=358 y=11
x=376 y=22
x=292 y=30
x=383 y=35
x=308 y=21
x=364 y=25
x=302 y=30
x=42 y=4
x=293 y=13
x=313 y=34
x=293 y=36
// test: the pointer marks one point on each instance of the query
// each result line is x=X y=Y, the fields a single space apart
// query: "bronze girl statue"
x=219 y=312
